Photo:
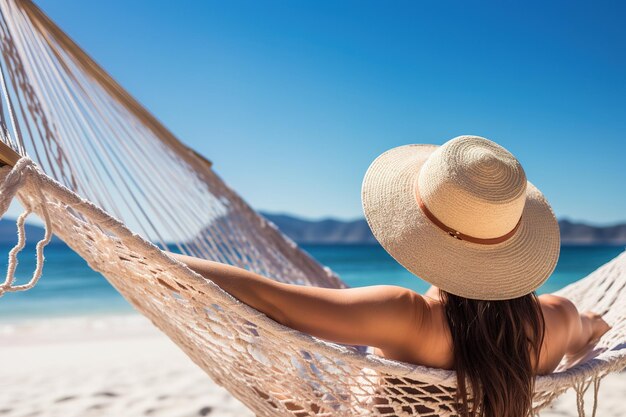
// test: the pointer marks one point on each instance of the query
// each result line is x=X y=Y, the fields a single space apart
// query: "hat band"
x=458 y=235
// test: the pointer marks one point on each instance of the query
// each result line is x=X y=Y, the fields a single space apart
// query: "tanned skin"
x=399 y=323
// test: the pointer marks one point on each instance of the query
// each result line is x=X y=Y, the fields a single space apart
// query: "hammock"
x=93 y=164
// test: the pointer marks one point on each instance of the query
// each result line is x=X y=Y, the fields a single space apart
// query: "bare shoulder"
x=406 y=306
x=405 y=300
x=562 y=307
x=553 y=299
x=400 y=321
x=402 y=294
x=560 y=316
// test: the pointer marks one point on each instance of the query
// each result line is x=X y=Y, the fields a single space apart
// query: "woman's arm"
x=586 y=329
x=582 y=329
x=382 y=316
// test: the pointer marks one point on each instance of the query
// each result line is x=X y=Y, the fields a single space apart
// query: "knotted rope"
x=12 y=181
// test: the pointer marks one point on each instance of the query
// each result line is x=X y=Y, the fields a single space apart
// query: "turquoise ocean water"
x=69 y=287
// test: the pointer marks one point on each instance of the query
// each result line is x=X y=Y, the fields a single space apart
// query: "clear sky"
x=292 y=100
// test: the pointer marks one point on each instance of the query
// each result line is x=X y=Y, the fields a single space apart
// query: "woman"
x=463 y=217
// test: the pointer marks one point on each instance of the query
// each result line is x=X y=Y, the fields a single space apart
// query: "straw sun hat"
x=463 y=217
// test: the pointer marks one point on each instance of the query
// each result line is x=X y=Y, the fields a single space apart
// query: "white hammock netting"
x=102 y=166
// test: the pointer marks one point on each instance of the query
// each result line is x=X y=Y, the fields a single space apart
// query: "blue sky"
x=293 y=100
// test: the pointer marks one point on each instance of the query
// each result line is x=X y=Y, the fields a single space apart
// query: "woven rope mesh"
x=103 y=167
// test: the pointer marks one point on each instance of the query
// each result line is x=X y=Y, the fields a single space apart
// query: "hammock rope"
x=109 y=180
x=10 y=185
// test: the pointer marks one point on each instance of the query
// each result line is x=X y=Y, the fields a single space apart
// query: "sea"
x=68 y=287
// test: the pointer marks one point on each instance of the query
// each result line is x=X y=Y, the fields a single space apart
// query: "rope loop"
x=15 y=181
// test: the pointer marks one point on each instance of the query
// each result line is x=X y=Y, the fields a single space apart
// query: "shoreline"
x=120 y=364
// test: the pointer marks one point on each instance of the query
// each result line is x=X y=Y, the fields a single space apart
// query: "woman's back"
x=567 y=333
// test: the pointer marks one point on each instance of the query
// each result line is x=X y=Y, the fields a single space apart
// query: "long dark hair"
x=496 y=352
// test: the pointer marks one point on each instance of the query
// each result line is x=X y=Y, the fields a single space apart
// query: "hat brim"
x=501 y=271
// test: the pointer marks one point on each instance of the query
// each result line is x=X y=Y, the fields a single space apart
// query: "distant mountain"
x=327 y=231
x=584 y=234
x=332 y=231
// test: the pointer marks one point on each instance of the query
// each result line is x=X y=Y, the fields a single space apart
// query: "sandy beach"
x=122 y=366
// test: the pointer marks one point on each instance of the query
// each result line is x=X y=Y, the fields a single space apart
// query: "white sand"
x=122 y=366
